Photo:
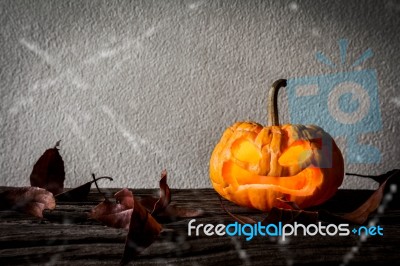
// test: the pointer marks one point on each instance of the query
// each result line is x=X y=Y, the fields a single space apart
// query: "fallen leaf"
x=48 y=172
x=115 y=214
x=165 y=195
x=157 y=205
x=173 y=213
x=143 y=230
x=29 y=200
x=162 y=210
x=360 y=215
x=79 y=193
x=160 y=207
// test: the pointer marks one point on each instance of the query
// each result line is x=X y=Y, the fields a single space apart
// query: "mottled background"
x=133 y=87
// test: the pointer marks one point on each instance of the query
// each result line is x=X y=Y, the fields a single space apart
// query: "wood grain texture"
x=66 y=237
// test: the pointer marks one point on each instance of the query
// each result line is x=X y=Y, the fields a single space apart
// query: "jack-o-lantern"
x=253 y=165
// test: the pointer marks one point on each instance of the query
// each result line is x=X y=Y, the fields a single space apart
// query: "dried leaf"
x=143 y=230
x=79 y=193
x=30 y=200
x=157 y=205
x=115 y=214
x=360 y=215
x=126 y=213
x=165 y=195
x=160 y=207
x=173 y=213
x=48 y=172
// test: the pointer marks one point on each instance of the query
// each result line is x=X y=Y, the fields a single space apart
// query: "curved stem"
x=359 y=175
x=98 y=189
x=102 y=177
x=273 y=118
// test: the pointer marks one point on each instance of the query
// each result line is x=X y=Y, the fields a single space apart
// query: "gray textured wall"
x=132 y=87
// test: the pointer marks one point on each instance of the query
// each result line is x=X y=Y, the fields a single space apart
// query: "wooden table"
x=66 y=237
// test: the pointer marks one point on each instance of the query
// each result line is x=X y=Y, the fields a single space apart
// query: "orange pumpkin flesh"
x=254 y=165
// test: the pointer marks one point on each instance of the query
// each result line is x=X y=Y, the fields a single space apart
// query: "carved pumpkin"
x=253 y=165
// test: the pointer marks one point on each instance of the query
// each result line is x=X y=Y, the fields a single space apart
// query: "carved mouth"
x=302 y=184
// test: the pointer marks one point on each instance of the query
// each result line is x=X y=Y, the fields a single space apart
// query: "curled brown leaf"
x=128 y=213
x=173 y=213
x=115 y=214
x=143 y=230
x=160 y=207
x=29 y=200
x=361 y=214
x=156 y=205
x=165 y=195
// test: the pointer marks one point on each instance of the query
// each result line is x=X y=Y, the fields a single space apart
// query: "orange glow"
x=297 y=154
x=245 y=151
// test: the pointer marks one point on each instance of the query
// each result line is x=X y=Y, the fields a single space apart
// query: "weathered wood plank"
x=65 y=236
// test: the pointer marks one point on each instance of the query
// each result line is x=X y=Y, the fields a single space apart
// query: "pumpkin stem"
x=273 y=118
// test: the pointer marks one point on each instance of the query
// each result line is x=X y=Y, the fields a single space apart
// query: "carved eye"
x=298 y=154
x=246 y=151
